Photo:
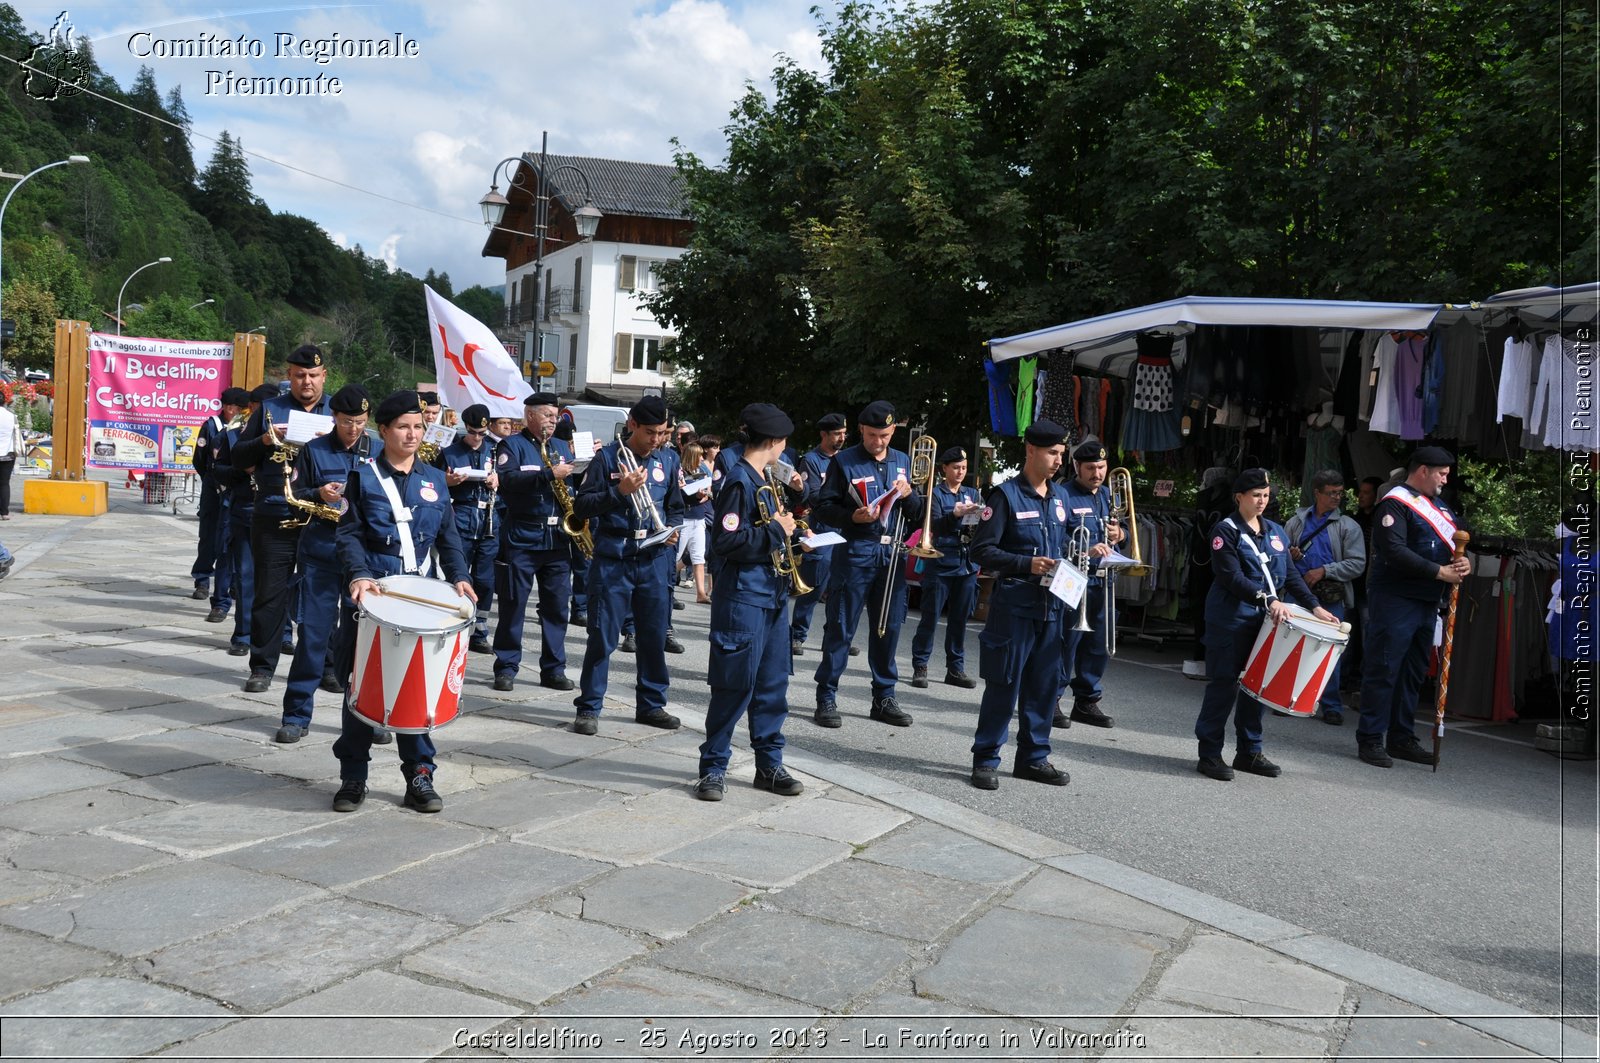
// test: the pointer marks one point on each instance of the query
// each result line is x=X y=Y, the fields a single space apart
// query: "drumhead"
x=413 y=616
x=1302 y=621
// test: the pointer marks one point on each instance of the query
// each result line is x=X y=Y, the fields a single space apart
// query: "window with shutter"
x=627 y=272
x=516 y=292
x=668 y=346
x=622 y=361
x=529 y=290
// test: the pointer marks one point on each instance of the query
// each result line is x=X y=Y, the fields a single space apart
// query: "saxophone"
x=577 y=530
x=316 y=508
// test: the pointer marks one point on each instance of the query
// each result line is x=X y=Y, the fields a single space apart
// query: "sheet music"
x=820 y=539
x=304 y=427
x=1068 y=583
x=582 y=447
x=694 y=487
x=440 y=435
x=1117 y=559
x=658 y=537
x=472 y=474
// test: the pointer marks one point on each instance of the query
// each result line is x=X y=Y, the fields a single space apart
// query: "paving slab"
x=156 y=908
x=381 y=1016
x=33 y=962
x=527 y=804
x=828 y=817
x=160 y=752
x=898 y=1025
x=1384 y=1026
x=203 y=829
x=1235 y=977
x=1023 y=963
x=884 y=899
x=132 y=1017
x=275 y=960
x=24 y=778
x=187 y=715
x=665 y=902
x=940 y=851
x=757 y=856
x=639 y=828
x=82 y=856
x=531 y=958
x=1162 y=1030
x=789 y=956
x=354 y=848
x=545 y=748
x=205 y=784
x=1051 y=892
x=1008 y=836
x=470 y=887
x=77 y=810
x=625 y=769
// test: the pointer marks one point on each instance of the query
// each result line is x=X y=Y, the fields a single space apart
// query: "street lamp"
x=135 y=273
x=203 y=302
x=586 y=218
x=69 y=160
x=258 y=328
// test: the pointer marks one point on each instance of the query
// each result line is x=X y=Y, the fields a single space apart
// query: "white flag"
x=472 y=365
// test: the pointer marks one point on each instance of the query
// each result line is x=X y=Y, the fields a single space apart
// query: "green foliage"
x=485 y=305
x=33 y=307
x=1521 y=500
x=169 y=317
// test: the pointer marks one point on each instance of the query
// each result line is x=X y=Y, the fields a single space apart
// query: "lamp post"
x=203 y=302
x=586 y=218
x=258 y=328
x=69 y=160
x=135 y=273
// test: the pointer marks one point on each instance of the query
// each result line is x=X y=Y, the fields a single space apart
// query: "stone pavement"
x=175 y=885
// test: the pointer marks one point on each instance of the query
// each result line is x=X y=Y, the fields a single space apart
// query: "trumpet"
x=1120 y=481
x=1078 y=548
x=769 y=503
x=577 y=530
x=644 y=506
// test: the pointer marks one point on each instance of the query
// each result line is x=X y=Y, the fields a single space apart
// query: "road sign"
x=547 y=369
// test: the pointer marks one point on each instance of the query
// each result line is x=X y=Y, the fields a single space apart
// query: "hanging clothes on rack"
x=1027 y=368
x=1564 y=414
x=1152 y=422
x=1001 y=378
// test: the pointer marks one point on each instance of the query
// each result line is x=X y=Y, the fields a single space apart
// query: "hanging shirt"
x=1409 y=355
x=1002 y=396
x=1026 y=401
x=1385 y=416
x=1516 y=380
x=1564 y=413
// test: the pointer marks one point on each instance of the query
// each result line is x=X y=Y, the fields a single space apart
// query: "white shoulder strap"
x=1266 y=571
x=402 y=519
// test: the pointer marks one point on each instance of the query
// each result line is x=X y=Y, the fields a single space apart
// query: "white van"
x=603 y=422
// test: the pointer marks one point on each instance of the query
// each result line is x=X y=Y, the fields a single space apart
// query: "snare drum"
x=1292 y=662
x=410 y=658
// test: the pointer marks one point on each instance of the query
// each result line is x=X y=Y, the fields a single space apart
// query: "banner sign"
x=149 y=397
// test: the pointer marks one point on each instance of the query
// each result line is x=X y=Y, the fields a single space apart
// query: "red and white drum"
x=1292 y=661
x=410 y=658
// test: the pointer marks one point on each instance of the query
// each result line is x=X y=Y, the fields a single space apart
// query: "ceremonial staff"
x=1461 y=540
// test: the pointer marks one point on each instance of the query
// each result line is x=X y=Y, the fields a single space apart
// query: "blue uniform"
x=368 y=541
x=476 y=516
x=1019 y=649
x=816 y=565
x=238 y=514
x=212 y=554
x=953 y=577
x=627 y=576
x=1084 y=657
x=533 y=550
x=326 y=610
x=1246 y=568
x=1403 y=597
x=749 y=653
x=860 y=567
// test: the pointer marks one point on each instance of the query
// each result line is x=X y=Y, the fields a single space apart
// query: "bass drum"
x=411 y=659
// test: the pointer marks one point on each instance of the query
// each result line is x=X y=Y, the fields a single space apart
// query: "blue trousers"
x=222 y=588
x=1083 y=655
x=1395 y=663
x=580 y=583
x=850 y=589
x=962 y=593
x=274 y=551
x=516 y=571
x=242 y=569
x=353 y=747
x=749 y=674
x=1018 y=661
x=815 y=568
x=1330 y=701
x=1228 y=643
x=325 y=610
x=616 y=587
x=481 y=554
x=210 y=514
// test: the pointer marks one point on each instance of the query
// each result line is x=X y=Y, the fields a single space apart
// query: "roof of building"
x=640 y=189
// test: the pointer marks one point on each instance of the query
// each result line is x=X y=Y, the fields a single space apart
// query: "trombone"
x=1120 y=481
x=923 y=452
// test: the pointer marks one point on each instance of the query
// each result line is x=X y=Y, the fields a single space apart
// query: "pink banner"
x=148 y=398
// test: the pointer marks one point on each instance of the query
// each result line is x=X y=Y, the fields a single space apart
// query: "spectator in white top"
x=10 y=447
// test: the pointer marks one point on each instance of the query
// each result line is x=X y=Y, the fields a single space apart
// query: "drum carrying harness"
x=1266 y=572
x=402 y=520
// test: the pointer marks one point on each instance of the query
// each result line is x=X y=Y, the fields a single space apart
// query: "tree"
x=34 y=308
x=224 y=197
x=482 y=303
x=180 y=157
x=170 y=317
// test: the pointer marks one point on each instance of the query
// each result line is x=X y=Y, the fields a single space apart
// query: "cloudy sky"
x=607 y=78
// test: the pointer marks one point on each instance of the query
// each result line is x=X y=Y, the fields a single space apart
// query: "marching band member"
x=632 y=566
x=430 y=407
x=1251 y=575
x=1084 y=657
x=235 y=479
x=861 y=571
x=817 y=563
x=320 y=474
x=533 y=548
x=274 y=547
x=1022 y=536
x=749 y=656
x=397 y=510
x=474 y=501
x=1413 y=543
x=212 y=555
x=953 y=576
x=579 y=612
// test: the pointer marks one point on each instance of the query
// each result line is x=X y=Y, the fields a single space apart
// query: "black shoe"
x=286 y=646
x=1411 y=751
x=236 y=649
x=579 y=620
x=290 y=733
x=1059 y=718
x=585 y=724
x=855 y=651
x=919 y=676
x=710 y=787
x=1333 y=719
x=957 y=678
x=257 y=682
x=382 y=736
x=1256 y=764
x=986 y=778
x=1216 y=768
x=200 y=593
x=505 y=681
x=884 y=710
x=796 y=648
x=626 y=645
x=1373 y=754
x=557 y=682
x=1042 y=771
x=779 y=781
x=217 y=615
x=1089 y=712
x=827 y=714
x=331 y=684
x=677 y=605
x=420 y=793
x=673 y=645
x=479 y=644
x=351 y=794
x=660 y=718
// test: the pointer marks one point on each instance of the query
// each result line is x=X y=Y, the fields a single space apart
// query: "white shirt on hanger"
x=1385 y=410
x=1565 y=399
x=1516 y=380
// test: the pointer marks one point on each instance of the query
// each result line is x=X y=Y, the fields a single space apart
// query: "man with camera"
x=1329 y=550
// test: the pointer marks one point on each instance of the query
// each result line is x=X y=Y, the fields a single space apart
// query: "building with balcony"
x=581 y=308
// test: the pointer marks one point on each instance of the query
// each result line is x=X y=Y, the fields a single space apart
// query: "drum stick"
x=461 y=609
x=1461 y=540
